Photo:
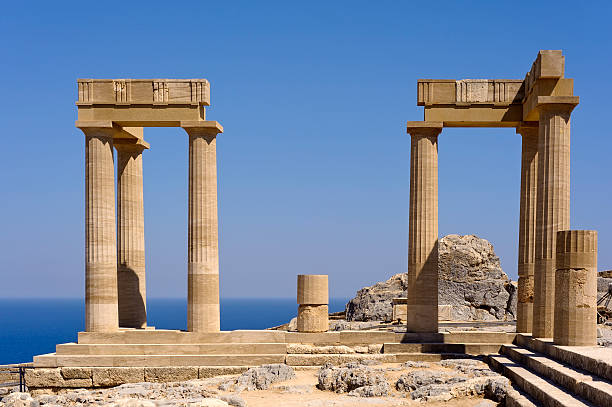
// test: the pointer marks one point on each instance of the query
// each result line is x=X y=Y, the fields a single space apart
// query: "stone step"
x=457 y=337
x=588 y=386
x=309 y=359
x=426 y=357
x=516 y=398
x=161 y=336
x=54 y=360
x=467 y=348
x=540 y=389
x=594 y=359
x=167 y=349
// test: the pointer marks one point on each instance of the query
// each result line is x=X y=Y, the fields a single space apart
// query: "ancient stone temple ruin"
x=539 y=108
x=112 y=113
x=556 y=266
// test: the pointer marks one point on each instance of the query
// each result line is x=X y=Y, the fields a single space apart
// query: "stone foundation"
x=57 y=378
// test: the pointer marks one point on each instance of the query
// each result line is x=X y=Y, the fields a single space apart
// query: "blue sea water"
x=31 y=327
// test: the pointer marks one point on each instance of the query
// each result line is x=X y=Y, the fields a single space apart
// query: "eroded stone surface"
x=353 y=378
x=259 y=378
x=470 y=279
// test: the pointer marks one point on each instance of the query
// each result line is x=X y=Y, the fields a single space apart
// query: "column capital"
x=98 y=128
x=110 y=129
x=127 y=145
x=208 y=128
x=528 y=129
x=427 y=129
x=561 y=104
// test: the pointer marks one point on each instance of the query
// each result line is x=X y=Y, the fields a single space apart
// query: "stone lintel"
x=476 y=115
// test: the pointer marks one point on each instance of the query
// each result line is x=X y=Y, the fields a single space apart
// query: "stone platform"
x=109 y=359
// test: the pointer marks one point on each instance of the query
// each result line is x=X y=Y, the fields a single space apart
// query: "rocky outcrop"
x=374 y=303
x=471 y=280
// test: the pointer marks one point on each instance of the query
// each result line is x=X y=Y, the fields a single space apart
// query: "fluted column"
x=527 y=226
x=553 y=208
x=423 y=228
x=130 y=237
x=203 y=251
x=100 y=233
x=576 y=288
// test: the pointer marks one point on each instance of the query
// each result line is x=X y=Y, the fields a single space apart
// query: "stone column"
x=203 y=251
x=527 y=226
x=423 y=228
x=553 y=208
x=576 y=288
x=100 y=232
x=130 y=236
x=312 y=299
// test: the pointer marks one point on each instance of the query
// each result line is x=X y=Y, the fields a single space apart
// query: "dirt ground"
x=302 y=391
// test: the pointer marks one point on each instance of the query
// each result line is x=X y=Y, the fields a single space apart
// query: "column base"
x=422 y=318
x=313 y=318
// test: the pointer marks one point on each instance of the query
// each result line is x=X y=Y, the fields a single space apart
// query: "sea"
x=31 y=327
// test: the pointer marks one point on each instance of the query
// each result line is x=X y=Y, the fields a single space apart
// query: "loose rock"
x=260 y=378
x=18 y=399
x=351 y=377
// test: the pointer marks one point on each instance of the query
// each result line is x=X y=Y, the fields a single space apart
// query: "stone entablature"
x=498 y=102
x=143 y=92
x=112 y=114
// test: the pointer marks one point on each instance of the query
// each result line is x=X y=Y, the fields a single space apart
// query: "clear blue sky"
x=314 y=161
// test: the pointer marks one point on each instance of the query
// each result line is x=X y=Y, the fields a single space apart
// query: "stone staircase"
x=158 y=348
x=555 y=376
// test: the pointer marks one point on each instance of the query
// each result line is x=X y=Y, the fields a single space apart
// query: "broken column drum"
x=576 y=288
x=312 y=299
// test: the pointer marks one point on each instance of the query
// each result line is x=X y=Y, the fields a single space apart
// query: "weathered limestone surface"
x=313 y=318
x=131 y=279
x=471 y=281
x=576 y=288
x=423 y=228
x=203 y=251
x=101 y=313
x=553 y=211
x=55 y=378
x=527 y=222
x=170 y=374
x=114 y=376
